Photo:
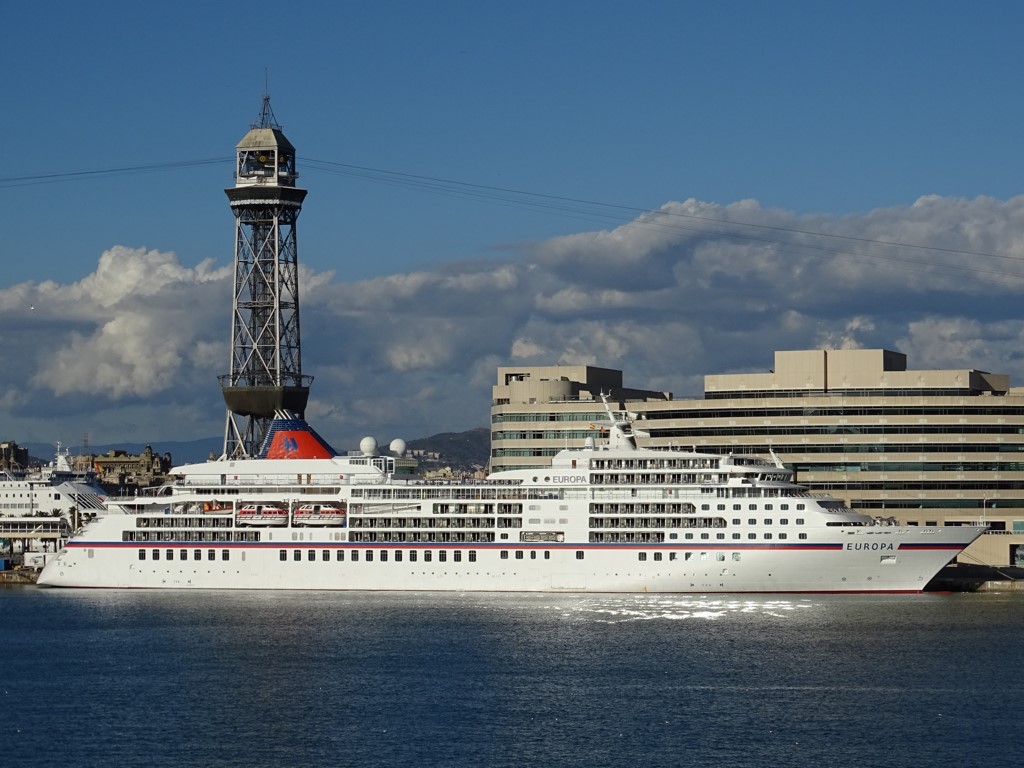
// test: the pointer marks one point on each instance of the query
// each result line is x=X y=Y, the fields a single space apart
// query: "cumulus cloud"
x=691 y=289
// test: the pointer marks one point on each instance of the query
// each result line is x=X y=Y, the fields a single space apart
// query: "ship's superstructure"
x=612 y=517
x=266 y=356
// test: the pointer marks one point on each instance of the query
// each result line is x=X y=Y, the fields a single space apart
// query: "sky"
x=672 y=189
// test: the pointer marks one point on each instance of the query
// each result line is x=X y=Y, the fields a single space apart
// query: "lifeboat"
x=319 y=514
x=262 y=514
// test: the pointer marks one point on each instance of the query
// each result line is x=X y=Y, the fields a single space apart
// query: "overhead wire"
x=569 y=207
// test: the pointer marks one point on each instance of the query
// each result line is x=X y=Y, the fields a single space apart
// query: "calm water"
x=330 y=679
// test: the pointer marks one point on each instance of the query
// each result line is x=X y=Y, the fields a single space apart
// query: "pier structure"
x=266 y=357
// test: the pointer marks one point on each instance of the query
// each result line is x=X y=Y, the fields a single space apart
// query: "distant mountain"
x=467 y=451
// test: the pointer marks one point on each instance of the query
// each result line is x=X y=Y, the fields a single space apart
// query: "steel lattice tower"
x=266 y=355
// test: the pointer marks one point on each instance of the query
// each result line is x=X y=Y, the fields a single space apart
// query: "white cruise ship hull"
x=883 y=559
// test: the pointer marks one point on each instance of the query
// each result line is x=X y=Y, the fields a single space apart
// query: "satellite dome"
x=589 y=443
x=398 y=446
x=368 y=446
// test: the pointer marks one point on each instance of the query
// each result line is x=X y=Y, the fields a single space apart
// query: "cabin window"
x=355 y=555
x=782 y=535
x=519 y=554
x=384 y=556
x=428 y=556
x=442 y=556
x=752 y=521
x=183 y=554
x=225 y=554
x=472 y=556
x=783 y=521
x=799 y=521
x=296 y=555
x=767 y=535
x=326 y=555
x=412 y=556
x=657 y=555
x=142 y=554
x=211 y=554
x=751 y=535
x=579 y=554
x=457 y=556
x=768 y=522
x=156 y=554
x=802 y=536
x=340 y=555
x=641 y=556
x=735 y=557
x=504 y=554
x=705 y=535
x=720 y=556
x=735 y=535
x=170 y=554
x=800 y=506
x=369 y=555
x=398 y=555
x=768 y=506
x=533 y=555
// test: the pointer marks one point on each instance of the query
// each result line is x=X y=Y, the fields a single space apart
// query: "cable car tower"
x=266 y=356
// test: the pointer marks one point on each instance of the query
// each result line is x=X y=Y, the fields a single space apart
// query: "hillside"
x=467 y=451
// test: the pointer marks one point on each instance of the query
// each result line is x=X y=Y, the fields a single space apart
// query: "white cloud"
x=667 y=298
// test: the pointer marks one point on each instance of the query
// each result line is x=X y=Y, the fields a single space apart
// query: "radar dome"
x=588 y=443
x=398 y=446
x=368 y=446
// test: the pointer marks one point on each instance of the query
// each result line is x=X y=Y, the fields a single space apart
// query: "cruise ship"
x=608 y=516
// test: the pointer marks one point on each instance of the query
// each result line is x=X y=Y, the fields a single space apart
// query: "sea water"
x=208 y=678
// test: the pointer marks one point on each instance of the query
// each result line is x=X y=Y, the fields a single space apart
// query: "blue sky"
x=834 y=118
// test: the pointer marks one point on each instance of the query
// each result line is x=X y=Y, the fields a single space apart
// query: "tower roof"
x=259 y=138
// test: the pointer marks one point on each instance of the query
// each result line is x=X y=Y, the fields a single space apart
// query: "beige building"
x=933 y=447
